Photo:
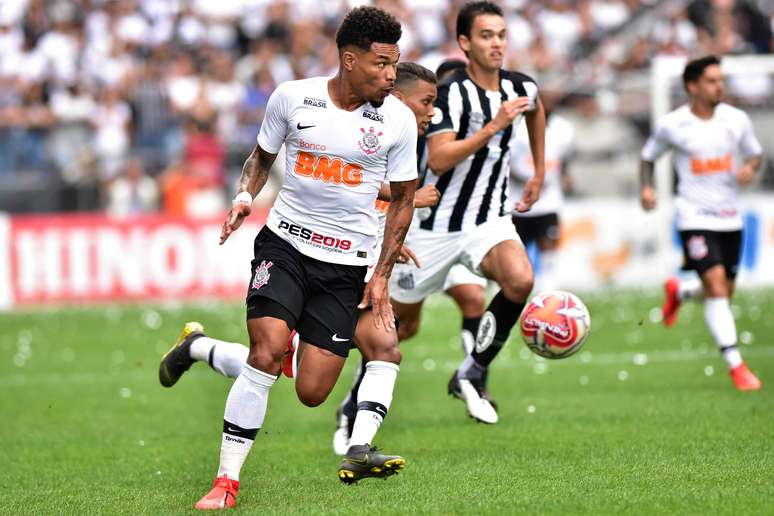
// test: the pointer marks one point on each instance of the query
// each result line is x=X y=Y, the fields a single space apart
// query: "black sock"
x=469 y=324
x=496 y=325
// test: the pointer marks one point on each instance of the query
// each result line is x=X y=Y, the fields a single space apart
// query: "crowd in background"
x=154 y=104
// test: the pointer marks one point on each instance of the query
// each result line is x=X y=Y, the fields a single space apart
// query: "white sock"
x=689 y=289
x=245 y=410
x=720 y=320
x=545 y=280
x=227 y=358
x=373 y=400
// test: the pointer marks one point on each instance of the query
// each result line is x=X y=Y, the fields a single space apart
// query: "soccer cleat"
x=178 y=359
x=744 y=379
x=222 y=495
x=671 y=302
x=342 y=433
x=363 y=461
x=289 y=360
x=479 y=408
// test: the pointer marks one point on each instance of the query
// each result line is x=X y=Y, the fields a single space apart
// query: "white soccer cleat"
x=342 y=433
x=478 y=408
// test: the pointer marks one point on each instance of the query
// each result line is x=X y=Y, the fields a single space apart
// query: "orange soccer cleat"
x=222 y=495
x=288 y=365
x=744 y=379
x=671 y=302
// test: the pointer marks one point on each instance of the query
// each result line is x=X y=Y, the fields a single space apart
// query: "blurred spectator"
x=132 y=193
x=253 y=107
x=73 y=107
x=112 y=121
x=29 y=123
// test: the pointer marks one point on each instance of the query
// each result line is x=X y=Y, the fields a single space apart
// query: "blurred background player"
x=315 y=285
x=468 y=152
x=715 y=150
x=538 y=228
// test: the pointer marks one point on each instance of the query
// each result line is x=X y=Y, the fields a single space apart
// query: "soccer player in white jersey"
x=540 y=225
x=715 y=150
x=344 y=136
x=468 y=144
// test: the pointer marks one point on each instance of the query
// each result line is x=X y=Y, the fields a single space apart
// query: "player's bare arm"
x=255 y=172
x=536 y=128
x=647 y=190
x=425 y=197
x=399 y=216
x=747 y=171
x=445 y=151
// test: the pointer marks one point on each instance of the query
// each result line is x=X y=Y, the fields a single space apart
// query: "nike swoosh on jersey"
x=336 y=338
x=301 y=127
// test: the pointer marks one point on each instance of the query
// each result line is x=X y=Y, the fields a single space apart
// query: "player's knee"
x=518 y=287
x=310 y=397
x=408 y=328
x=390 y=354
x=473 y=304
x=263 y=358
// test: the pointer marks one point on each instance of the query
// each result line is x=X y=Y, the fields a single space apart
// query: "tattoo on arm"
x=646 y=174
x=398 y=221
x=255 y=171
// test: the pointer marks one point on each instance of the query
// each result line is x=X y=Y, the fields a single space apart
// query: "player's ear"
x=348 y=60
x=464 y=42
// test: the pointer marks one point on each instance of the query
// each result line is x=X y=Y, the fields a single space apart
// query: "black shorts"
x=704 y=249
x=535 y=229
x=318 y=299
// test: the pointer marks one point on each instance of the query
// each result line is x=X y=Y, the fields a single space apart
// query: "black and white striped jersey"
x=476 y=190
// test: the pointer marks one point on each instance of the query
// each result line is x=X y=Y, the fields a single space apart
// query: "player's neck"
x=702 y=110
x=486 y=79
x=342 y=94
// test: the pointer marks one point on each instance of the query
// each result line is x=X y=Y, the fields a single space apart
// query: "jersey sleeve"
x=274 y=127
x=447 y=110
x=657 y=144
x=402 y=157
x=748 y=143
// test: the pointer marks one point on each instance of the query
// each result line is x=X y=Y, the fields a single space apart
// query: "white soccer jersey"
x=476 y=190
x=707 y=154
x=560 y=137
x=335 y=162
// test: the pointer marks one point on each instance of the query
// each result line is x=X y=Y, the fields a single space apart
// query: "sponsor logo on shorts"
x=315 y=102
x=369 y=142
x=314 y=238
x=262 y=274
x=697 y=247
x=406 y=280
x=328 y=170
x=376 y=117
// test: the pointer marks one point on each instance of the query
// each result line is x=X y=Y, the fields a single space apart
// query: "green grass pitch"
x=644 y=420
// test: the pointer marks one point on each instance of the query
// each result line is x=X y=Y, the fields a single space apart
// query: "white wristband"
x=243 y=197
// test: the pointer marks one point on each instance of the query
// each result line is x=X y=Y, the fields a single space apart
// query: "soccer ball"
x=555 y=324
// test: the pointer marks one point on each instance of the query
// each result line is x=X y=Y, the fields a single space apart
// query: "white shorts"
x=439 y=252
x=461 y=275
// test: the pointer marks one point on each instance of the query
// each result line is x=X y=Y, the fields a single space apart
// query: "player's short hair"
x=365 y=25
x=410 y=73
x=694 y=69
x=468 y=14
x=449 y=66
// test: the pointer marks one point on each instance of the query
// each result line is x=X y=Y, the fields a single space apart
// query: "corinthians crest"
x=369 y=143
x=262 y=274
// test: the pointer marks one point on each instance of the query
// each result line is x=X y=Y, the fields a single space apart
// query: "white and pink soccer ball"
x=555 y=324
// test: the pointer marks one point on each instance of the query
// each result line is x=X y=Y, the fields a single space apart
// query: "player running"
x=715 y=150
x=540 y=225
x=311 y=257
x=468 y=150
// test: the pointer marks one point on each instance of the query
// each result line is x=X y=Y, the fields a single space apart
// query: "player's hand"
x=529 y=195
x=648 y=198
x=426 y=197
x=406 y=255
x=509 y=110
x=377 y=296
x=745 y=174
x=234 y=219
